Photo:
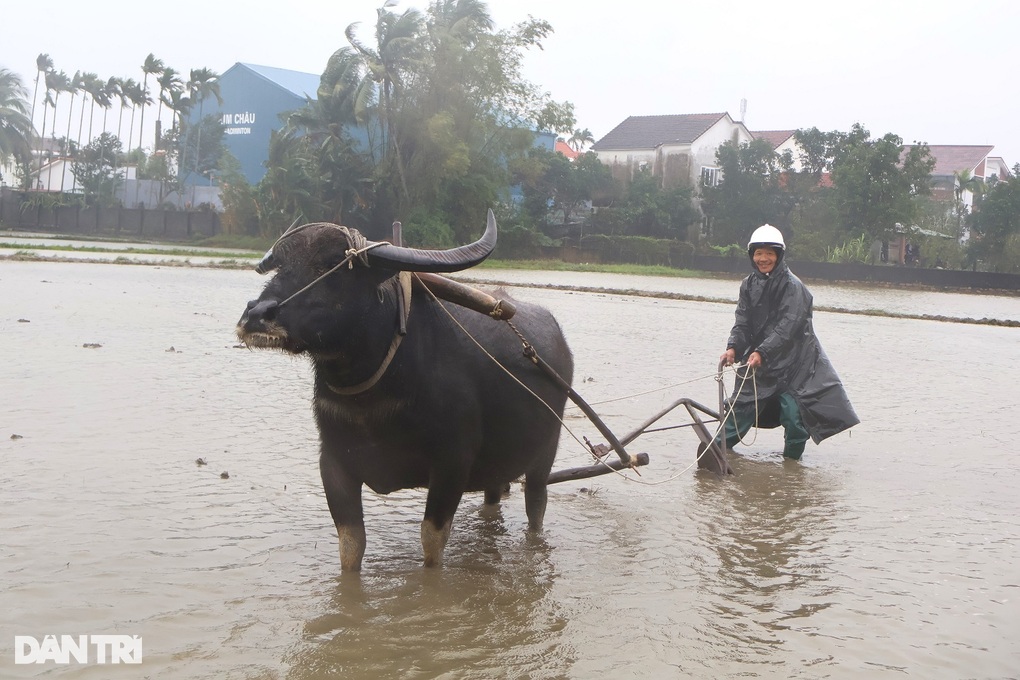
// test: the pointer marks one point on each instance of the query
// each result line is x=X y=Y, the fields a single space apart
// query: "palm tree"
x=16 y=128
x=180 y=107
x=97 y=93
x=111 y=91
x=966 y=181
x=202 y=83
x=168 y=80
x=50 y=83
x=396 y=39
x=580 y=138
x=138 y=97
x=74 y=86
x=122 y=96
x=348 y=96
x=86 y=85
x=43 y=64
x=58 y=82
x=151 y=65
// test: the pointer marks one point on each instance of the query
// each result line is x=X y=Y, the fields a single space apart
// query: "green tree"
x=815 y=150
x=750 y=194
x=290 y=188
x=875 y=182
x=996 y=226
x=436 y=107
x=15 y=124
x=646 y=209
x=203 y=148
x=94 y=169
x=396 y=42
x=555 y=189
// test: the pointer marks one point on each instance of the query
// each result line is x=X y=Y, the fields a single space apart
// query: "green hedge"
x=639 y=250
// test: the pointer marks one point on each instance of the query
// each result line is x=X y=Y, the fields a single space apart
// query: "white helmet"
x=766 y=235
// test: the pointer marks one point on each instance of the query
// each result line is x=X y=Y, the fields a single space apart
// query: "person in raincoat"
x=789 y=380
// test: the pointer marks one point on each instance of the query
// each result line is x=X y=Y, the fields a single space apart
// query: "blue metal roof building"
x=253 y=99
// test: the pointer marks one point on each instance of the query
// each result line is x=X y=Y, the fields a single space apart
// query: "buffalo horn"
x=437 y=261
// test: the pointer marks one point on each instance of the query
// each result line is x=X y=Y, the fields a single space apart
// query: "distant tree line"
x=853 y=190
x=431 y=122
x=180 y=149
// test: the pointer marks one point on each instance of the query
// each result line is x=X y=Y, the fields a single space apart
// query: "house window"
x=710 y=176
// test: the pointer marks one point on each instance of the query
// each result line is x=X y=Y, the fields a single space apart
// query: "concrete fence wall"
x=867 y=273
x=172 y=225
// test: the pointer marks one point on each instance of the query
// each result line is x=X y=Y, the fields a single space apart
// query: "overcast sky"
x=939 y=71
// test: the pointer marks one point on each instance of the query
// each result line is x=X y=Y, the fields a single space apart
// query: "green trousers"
x=741 y=420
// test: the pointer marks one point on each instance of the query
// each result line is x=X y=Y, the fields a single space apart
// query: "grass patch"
x=560 y=266
x=185 y=252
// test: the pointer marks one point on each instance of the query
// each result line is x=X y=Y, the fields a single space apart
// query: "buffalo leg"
x=443 y=498
x=343 y=496
x=495 y=495
x=536 y=494
x=536 y=490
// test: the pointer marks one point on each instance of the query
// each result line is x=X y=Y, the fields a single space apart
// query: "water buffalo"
x=403 y=395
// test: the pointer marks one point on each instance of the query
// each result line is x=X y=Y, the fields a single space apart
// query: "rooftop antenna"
x=743 y=109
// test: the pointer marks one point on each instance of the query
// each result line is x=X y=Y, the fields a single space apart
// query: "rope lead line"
x=530 y=353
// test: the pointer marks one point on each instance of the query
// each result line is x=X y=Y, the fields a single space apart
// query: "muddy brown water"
x=891 y=551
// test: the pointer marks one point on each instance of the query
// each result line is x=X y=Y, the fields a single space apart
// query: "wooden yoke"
x=466 y=296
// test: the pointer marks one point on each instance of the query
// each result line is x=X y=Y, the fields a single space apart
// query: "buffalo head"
x=338 y=274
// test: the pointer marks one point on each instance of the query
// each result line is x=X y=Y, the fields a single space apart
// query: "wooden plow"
x=710 y=455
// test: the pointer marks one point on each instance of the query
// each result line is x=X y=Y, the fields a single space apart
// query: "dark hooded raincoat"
x=773 y=318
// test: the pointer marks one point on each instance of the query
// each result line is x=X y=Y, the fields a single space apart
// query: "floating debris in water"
x=172 y=350
x=16 y=436
x=24 y=321
x=224 y=475
x=200 y=462
x=91 y=345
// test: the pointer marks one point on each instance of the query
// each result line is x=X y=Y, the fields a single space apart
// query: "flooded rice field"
x=890 y=551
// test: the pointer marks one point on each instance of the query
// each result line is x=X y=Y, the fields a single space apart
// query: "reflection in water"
x=768 y=527
x=485 y=611
x=893 y=548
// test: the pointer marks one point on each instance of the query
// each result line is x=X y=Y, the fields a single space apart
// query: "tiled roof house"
x=678 y=148
x=952 y=160
x=781 y=140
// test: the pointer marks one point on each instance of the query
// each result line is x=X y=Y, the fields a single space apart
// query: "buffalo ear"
x=438 y=261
